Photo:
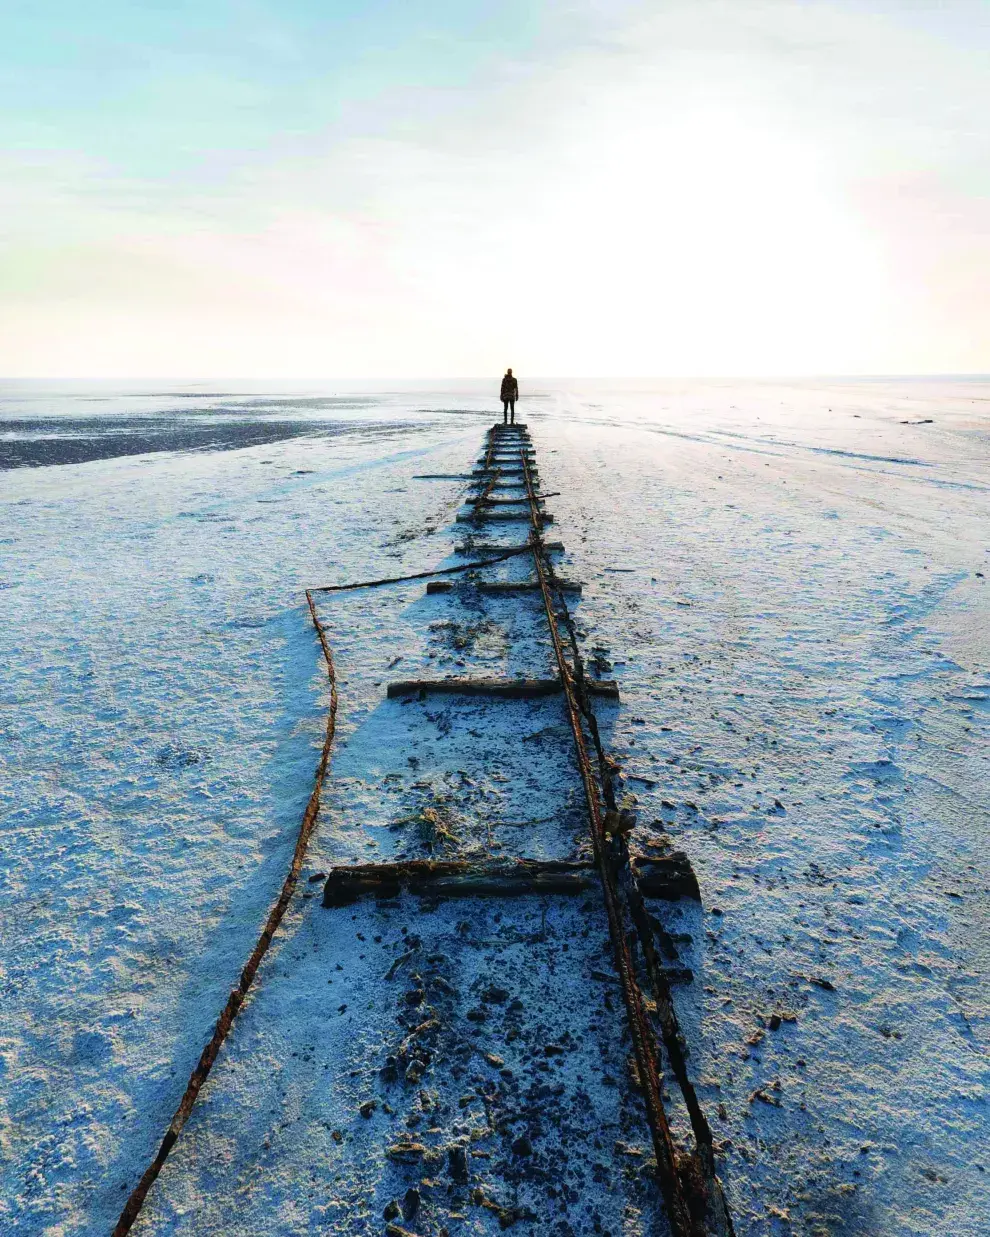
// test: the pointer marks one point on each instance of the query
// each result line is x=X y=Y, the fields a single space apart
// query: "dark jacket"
x=510 y=388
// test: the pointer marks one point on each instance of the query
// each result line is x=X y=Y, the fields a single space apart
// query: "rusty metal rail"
x=198 y=1077
x=644 y=1044
x=693 y=1194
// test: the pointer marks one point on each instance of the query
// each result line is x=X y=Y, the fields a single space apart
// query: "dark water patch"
x=47 y=441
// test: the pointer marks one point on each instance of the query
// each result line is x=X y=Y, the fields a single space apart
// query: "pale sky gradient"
x=437 y=188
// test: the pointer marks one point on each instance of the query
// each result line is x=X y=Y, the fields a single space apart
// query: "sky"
x=378 y=189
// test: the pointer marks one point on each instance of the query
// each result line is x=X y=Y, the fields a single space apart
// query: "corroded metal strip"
x=644 y=1044
x=230 y=1011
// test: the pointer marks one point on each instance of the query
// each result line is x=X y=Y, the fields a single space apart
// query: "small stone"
x=494 y=995
x=492 y=1059
x=410 y=1204
x=408 y=1152
x=337 y=1136
x=775 y=1021
x=522 y=1146
x=458 y=1161
x=515 y=1006
x=367 y=1108
x=825 y=984
x=476 y=1015
x=392 y=1211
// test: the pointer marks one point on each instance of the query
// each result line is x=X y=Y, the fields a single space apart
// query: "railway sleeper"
x=670 y=877
x=500 y=586
x=487 y=547
x=501 y=515
x=514 y=689
x=500 y=502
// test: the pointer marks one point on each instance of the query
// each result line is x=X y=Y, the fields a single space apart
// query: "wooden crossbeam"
x=500 y=502
x=483 y=473
x=513 y=689
x=669 y=877
x=499 y=515
x=499 y=586
x=490 y=547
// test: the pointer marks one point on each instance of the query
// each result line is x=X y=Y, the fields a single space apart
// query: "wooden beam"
x=490 y=547
x=499 y=586
x=499 y=502
x=499 y=515
x=670 y=877
x=513 y=689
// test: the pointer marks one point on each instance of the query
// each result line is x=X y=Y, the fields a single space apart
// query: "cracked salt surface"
x=810 y=728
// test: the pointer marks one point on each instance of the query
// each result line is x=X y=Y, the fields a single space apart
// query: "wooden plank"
x=513 y=689
x=500 y=502
x=490 y=547
x=498 y=586
x=499 y=515
x=670 y=877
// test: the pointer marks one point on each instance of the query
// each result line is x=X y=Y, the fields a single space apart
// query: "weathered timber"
x=500 y=515
x=505 y=471
x=500 y=502
x=670 y=877
x=488 y=547
x=516 y=689
x=507 y=587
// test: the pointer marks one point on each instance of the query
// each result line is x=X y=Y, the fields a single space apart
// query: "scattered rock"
x=457 y=1161
x=406 y=1152
x=410 y=1204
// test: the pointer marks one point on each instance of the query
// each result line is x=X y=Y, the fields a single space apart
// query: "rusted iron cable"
x=649 y=931
x=713 y=1203
x=644 y=1044
x=135 y=1202
x=419 y=575
x=482 y=500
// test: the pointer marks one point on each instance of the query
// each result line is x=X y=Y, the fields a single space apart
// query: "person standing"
x=509 y=395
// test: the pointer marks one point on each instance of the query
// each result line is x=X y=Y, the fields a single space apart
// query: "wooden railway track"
x=642 y=951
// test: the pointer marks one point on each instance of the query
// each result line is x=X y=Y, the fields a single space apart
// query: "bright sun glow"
x=768 y=194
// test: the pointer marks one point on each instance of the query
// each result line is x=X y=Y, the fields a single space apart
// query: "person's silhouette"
x=509 y=394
